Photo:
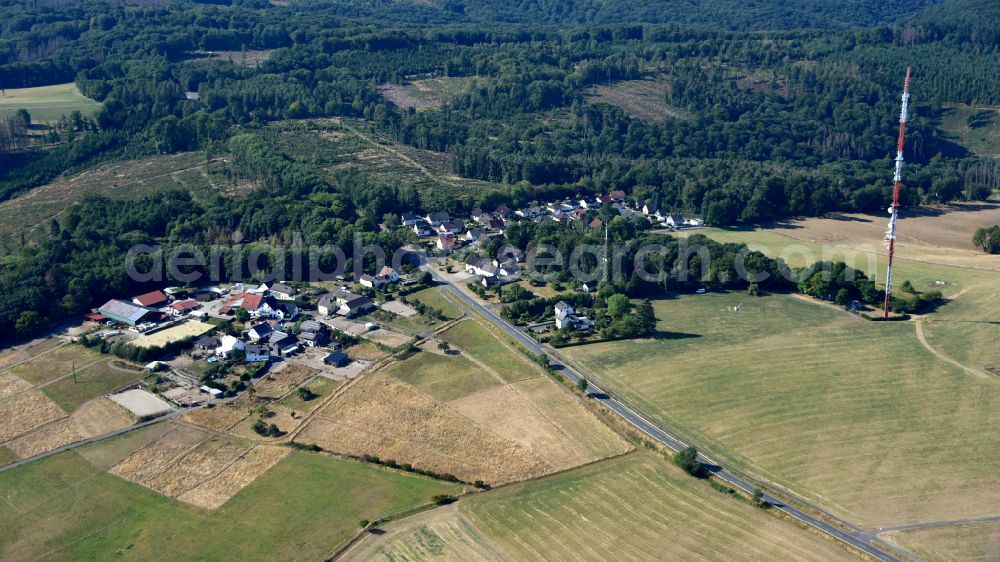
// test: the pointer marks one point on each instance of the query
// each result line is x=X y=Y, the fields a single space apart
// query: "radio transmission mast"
x=897 y=180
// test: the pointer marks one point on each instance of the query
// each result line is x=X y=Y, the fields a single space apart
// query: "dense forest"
x=788 y=108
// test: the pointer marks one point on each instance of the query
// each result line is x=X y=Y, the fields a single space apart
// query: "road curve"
x=608 y=399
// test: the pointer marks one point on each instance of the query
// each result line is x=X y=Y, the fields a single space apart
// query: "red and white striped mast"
x=897 y=179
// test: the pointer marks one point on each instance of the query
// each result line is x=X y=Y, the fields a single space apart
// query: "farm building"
x=125 y=312
x=151 y=299
x=337 y=359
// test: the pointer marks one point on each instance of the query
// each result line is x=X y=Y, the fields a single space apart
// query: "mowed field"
x=882 y=424
x=67 y=507
x=456 y=414
x=44 y=406
x=32 y=212
x=634 y=507
x=47 y=103
x=974 y=542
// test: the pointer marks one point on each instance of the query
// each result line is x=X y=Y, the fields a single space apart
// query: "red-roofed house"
x=258 y=306
x=151 y=299
x=183 y=307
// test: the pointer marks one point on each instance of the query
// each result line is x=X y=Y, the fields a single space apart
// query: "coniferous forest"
x=783 y=109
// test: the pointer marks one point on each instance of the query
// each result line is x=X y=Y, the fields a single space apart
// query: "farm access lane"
x=609 y=399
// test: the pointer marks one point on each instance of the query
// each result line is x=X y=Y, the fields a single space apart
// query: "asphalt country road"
x=607 y=398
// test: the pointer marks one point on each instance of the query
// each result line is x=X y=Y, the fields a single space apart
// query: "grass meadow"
x=66 y=508
x=862 y=418
x=47 y=103
x=634 y=507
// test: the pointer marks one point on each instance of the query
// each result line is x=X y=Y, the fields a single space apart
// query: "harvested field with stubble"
x=855 y=416
x=443 y=377
x=635 y=507
x=972 y=542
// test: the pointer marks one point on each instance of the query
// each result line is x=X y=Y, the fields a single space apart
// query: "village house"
x=152 y=299
x=437 y=218
x=282 y=344
x=410 y=219
x=568 y=319
x=451 y=227
x=255 y=353
x=179 y=308
x=259 y=331
x=694 y=222
x=478 y=266
x=259 y=306
x=447 y=242
x=284 y=292
x=313 y=333
x=421 y=228
x=673 y=220
x=229 y=345
x=207 y=342
x=474 y=235
x=502 y=211
x=344 y=303
x=337 y=359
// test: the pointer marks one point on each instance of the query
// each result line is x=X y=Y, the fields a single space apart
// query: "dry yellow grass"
x=223 y=416
x=572 y=419
x=365 y=352
x=252 y=464
x=147 y=463
x=201 y=463
x=381 y=416
x=48 y=437
x=93 y=418
x=281 y=381
x=26 y=411
x=10 y=357
x=11 y=385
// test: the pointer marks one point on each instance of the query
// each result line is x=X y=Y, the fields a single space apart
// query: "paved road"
x=631 y=415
